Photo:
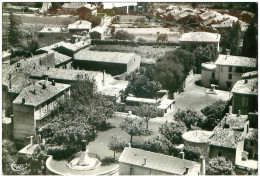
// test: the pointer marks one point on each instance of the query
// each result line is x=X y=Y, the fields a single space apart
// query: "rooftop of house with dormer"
x=246 y=87
x=40 y=92
x=160 y=162
x=238 y=61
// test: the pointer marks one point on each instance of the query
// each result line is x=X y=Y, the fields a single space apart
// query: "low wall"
x=128 y=42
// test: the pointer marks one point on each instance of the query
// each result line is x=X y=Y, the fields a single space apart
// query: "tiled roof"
x=200 y=37
x=51 y=47
x=41 y=95
x=80 y=24
x=238 y=61
x=74 y=47
x=248 y=75
x=60 y=58
x=110 y=57
x=247 y=87
x=160 y=162
x=225 y=137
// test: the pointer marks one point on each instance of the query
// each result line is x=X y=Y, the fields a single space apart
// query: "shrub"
x=61 y=153
x=107 y=161
x=141 y=40
x=192 y=153
x=123 y=35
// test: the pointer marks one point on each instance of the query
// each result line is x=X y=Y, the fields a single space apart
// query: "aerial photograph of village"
x=129 y=88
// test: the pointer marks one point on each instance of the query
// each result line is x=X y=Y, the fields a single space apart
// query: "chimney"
x=48 y=68
x=31 y=140
x=129 y=145
x=246 y=81
x=23 y=100
x=144 y=161
x=34 y=91
x=203 y=167
x=53 y=83
x=182 y=155
x=230 y=110
x=186 y=171
x=43 y=86
x=104 y=72
x=239 y=113
x=34 y=67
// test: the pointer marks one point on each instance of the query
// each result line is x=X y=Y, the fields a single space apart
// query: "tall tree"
x=8 y=156
x=116 y=144
x=13 y=33
x=134 y=127
x=236 y=35
x=147 y=112
x=250 y=45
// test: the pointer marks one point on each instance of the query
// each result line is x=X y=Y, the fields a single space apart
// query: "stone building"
x=139 y=162
x=34 y=104
x=245 y=96
x=194 y=39
x=226 y=71
x=113 y=63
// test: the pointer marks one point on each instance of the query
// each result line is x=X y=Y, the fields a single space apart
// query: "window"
x=230 y=76
x=213 y=75
x=230 y=68
x=131 y=171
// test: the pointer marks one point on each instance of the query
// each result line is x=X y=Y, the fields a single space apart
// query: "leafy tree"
x=219 y=166
x=172 y=69
x=192 y=153
x=173 y=132
x=236 y=35
x=213 y=114
x=162 y=38
x=250 y=46
x=189 y=117
x=8 y=156
x=95 y=20
x=33 y=45
x=116 y=144
x=206 y=54
x=134 y=127
x=155 y=144
x=123 y=35
x=147 y=112
x=13 y=33
x=140 y=86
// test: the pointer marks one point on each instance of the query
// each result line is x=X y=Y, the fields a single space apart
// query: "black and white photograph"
x=129 y=89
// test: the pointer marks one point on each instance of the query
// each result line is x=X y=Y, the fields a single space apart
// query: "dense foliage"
x=141 y=84
x=162 y=38
x=189 y=117
x=13 y=32
x=95 y=20
x=8 y=156
x=219 y=166
x=134 y=127
x=250 y=45
x=123 y=35
x=173 y=132
x=172 y=69
x=213 y=114
x=155 y=144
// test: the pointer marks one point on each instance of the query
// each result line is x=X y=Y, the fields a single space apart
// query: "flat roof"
x=158 y=161
x=109 y=57
x=200 y=37
x=198 y=136
x=114 y=88
x=143 y=100
x=41 y=95
x=246 y=87
x=80 y=24
x=239 y=61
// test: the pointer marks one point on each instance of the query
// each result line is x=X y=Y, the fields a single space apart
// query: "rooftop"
x=225 y=137
x=160 y=162
x=246 y=87
x=114 y=88
x=238 y=61
x=200 y=37
x=80 y=24
x=74 y=47
x=248 y=75
x=53 y=30
x=29 y=149
x=197 y=136
x=142 y=100
x=110 y=57
x=41 y=94
x=111 y=5
x=208 y=66
x=234 y=121
x=78 y=5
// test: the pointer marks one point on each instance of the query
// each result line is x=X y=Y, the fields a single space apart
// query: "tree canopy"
x=147 y=112
x=219 y=166
x=123 y=35
x=134 y=127
x=116 y=144
x=8 y=156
